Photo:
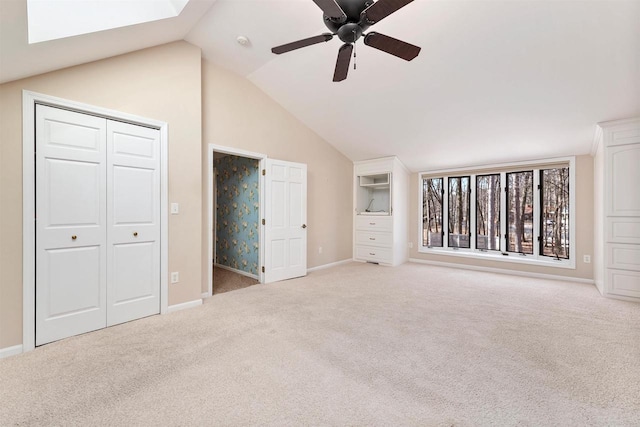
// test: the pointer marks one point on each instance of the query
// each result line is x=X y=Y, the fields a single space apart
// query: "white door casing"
x=285 y=220
x=71 y=224
x=133 y=218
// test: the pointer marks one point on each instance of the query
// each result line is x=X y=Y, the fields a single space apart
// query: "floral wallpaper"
x=238 y=213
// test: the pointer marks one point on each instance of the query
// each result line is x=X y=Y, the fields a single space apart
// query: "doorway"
x=236 y=222
x=282 y=215
x=236 y=206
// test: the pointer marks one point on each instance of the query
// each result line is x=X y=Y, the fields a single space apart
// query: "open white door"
x=285 y=228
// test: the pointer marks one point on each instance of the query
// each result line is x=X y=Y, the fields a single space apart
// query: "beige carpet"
x=358 y=344
x=225 y=281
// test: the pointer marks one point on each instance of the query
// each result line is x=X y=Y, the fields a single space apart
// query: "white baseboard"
x=503 y=271
x=332 y=264
x=235 y=270
x=205 y=295
x=10 y=351
x=184 y=305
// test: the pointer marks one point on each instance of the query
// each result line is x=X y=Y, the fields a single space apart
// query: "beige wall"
x=584 y=230
x=239 y=115
x=162 y=83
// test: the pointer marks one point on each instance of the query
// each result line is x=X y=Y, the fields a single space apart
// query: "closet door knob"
x=74 y=237
x=135 y=234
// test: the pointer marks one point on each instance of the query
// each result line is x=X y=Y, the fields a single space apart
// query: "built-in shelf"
x=375 y=181
x=380 y=202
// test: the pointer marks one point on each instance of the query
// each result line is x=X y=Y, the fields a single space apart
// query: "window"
x=555 y=212
x=524 y=210
x=520 y=212
x=488 y=212
x=432 y=212
x=459 y=198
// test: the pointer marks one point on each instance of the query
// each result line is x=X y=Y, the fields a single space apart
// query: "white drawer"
x=623 y=230
x=624 y=257
x=374 y=254
x=624 y=283
x=374 y=223
x=374 y=238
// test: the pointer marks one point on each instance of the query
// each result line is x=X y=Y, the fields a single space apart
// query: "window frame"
x=468 y=213
x=500 y=215
x=537 y=258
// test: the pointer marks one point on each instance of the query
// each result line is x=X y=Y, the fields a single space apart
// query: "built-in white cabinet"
x=617 y=208
x=381 y=211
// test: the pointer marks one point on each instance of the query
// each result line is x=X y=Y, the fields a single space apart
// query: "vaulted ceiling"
x=496 y=81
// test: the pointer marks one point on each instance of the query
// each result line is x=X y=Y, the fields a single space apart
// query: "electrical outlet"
x=175 y=277
x=410 y=245
x=319 y=249
x=175 y=208
x=586 y=259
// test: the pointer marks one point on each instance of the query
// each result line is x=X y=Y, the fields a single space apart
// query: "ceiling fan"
x=349 y=19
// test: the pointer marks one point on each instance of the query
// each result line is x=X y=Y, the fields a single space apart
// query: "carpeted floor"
x=357 y=344
x=225 y=281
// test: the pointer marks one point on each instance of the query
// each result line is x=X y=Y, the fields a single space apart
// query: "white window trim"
x=512 y=257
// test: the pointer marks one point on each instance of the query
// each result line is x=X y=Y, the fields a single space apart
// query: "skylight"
x=57 y=19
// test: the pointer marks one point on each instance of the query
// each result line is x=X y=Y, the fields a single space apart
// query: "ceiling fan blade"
x=381 y=9
x=332 y=10
x=342 y=64
x=302 y=43
x=393 y=46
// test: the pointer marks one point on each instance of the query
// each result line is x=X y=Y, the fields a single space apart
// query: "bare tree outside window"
x=520 y=212
x=488 y=212
x=555 y=212
x=459 y=206
x=432 y=189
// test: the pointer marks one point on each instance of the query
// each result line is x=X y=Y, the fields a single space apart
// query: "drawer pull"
x=372 y=223
x=371 y=253
x=372 y=238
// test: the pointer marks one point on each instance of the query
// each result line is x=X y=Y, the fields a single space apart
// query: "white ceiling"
x=496 y=81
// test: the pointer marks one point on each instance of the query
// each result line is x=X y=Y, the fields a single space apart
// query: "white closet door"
x=285 y=220
x=133 y=218
x=71 y=224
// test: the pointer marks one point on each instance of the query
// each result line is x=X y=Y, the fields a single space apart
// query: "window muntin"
x=520 y=212
x=554 y=218
x=459 y=212
x=432 y=192
x=488 y=212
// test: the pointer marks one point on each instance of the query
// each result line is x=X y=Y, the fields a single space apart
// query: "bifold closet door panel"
x=71 y=252
x=133 y=218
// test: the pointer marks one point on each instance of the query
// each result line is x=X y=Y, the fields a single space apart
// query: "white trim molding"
x=10 y=351
x=330 y=265
x=29 y=101
x=503 y=271
x=184 y=305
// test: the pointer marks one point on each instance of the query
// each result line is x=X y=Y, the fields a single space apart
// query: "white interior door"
x=71 y=224
x=133 y=218
x=285 y=220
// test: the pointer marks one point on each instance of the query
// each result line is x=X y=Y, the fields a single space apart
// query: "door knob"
x=304 y=225
x=74 y=237
x=135 y=234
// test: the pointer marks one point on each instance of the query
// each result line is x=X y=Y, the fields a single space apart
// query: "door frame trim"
x=29 y=101
x=235 y=152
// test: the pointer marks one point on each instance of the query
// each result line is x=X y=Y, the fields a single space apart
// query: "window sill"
x=497 y=256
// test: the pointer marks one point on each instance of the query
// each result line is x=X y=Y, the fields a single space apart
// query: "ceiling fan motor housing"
x=352 y=29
